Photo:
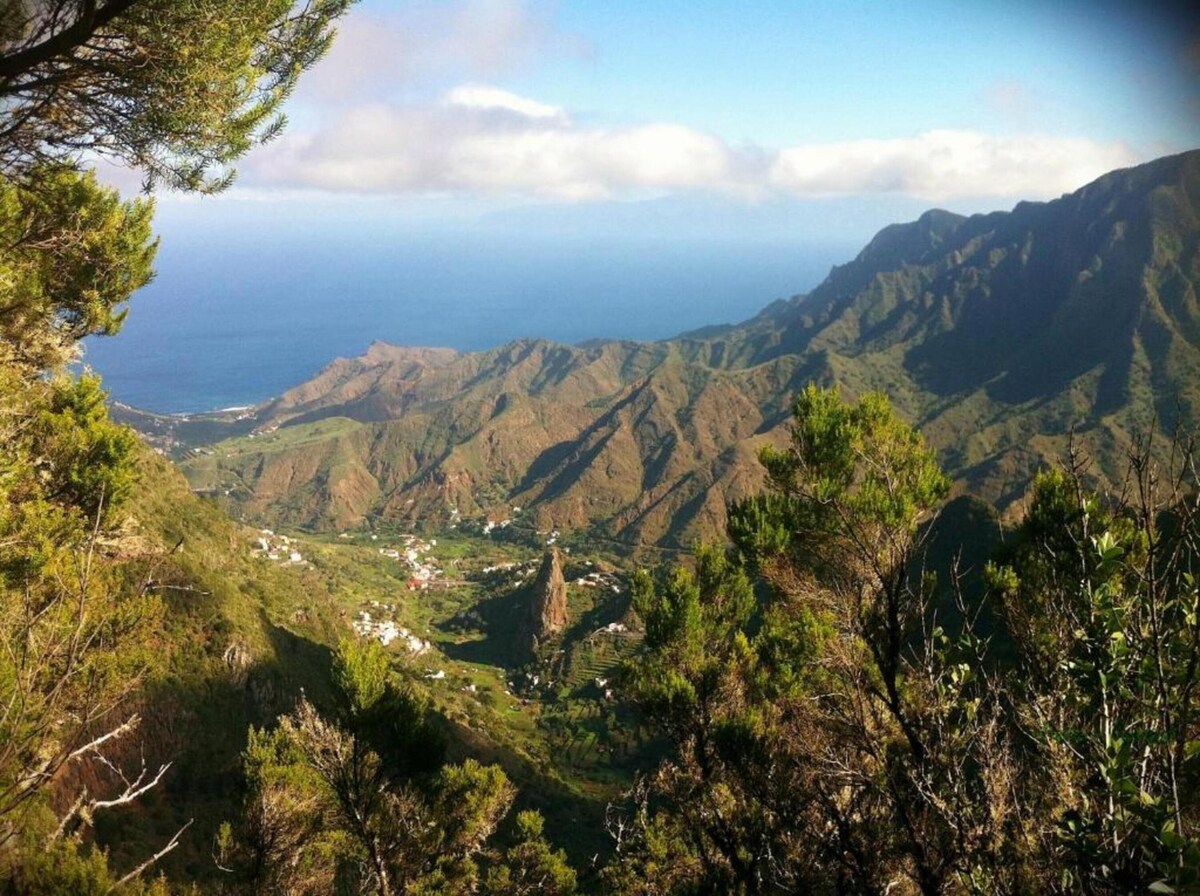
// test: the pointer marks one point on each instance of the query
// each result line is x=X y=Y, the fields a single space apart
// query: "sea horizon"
x=228 y=327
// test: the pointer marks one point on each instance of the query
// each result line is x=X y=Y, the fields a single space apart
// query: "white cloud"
x=566 y=163
x=945 y=164
x=408 y=103
x=484 y=96
x=483 y=140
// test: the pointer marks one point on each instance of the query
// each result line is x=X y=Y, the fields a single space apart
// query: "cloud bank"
x=408 y=103
x=479 y=139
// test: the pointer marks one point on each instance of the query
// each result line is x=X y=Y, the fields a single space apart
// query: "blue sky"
x=488 y=103
x=442 y=113
x=817 y=120
x=779 y=73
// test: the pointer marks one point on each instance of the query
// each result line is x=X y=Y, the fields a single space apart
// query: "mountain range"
x=1005 y=337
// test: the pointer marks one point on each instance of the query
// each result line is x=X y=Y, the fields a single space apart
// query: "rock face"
x=237 y=659
x=548 y=608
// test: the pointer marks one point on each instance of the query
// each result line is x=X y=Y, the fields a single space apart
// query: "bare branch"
x=174 y=841
x=132 y=790
x=124 y=728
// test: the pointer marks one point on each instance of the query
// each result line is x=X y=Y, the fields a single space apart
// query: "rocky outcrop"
x=237 y=660
x=548 y=606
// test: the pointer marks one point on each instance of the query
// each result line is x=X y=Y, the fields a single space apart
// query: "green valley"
x=892 y=589
x=256 y=615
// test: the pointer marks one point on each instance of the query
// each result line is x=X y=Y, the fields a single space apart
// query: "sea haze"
x=235 y=318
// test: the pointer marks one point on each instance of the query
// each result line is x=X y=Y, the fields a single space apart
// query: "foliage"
x=86 y=458
x=531 y=865
x=77 y=638
x=362 y=676
x=1104 y=601
x=179 y=89
x=849 y=491
x=743 y=694
x=71 y=252
x=835 y=737
x=63 y=869
x=374 y=703
x=175 y=88
x=692 y=684
x=326 y=805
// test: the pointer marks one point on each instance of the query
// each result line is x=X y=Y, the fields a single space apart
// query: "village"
x=423 y=569
x=279 y=548
x=386 y=630
x=423 y=599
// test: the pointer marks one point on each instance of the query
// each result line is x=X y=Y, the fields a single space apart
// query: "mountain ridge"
x=1001 y=335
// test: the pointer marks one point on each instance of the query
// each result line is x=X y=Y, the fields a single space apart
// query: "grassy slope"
x=247 y=634
x=239 y=655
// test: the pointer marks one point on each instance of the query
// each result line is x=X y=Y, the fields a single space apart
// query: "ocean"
x=232 y=320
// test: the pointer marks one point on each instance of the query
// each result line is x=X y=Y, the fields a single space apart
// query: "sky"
x=464 y=172
x=447 y=113
x=462 y=106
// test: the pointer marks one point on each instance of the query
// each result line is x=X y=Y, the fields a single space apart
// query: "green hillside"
x=999 y=335
x=246 y=635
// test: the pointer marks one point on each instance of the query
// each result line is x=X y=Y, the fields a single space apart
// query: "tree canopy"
x=341 y=801
x=839 y=732
x=73 y=253
x=178 y=89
